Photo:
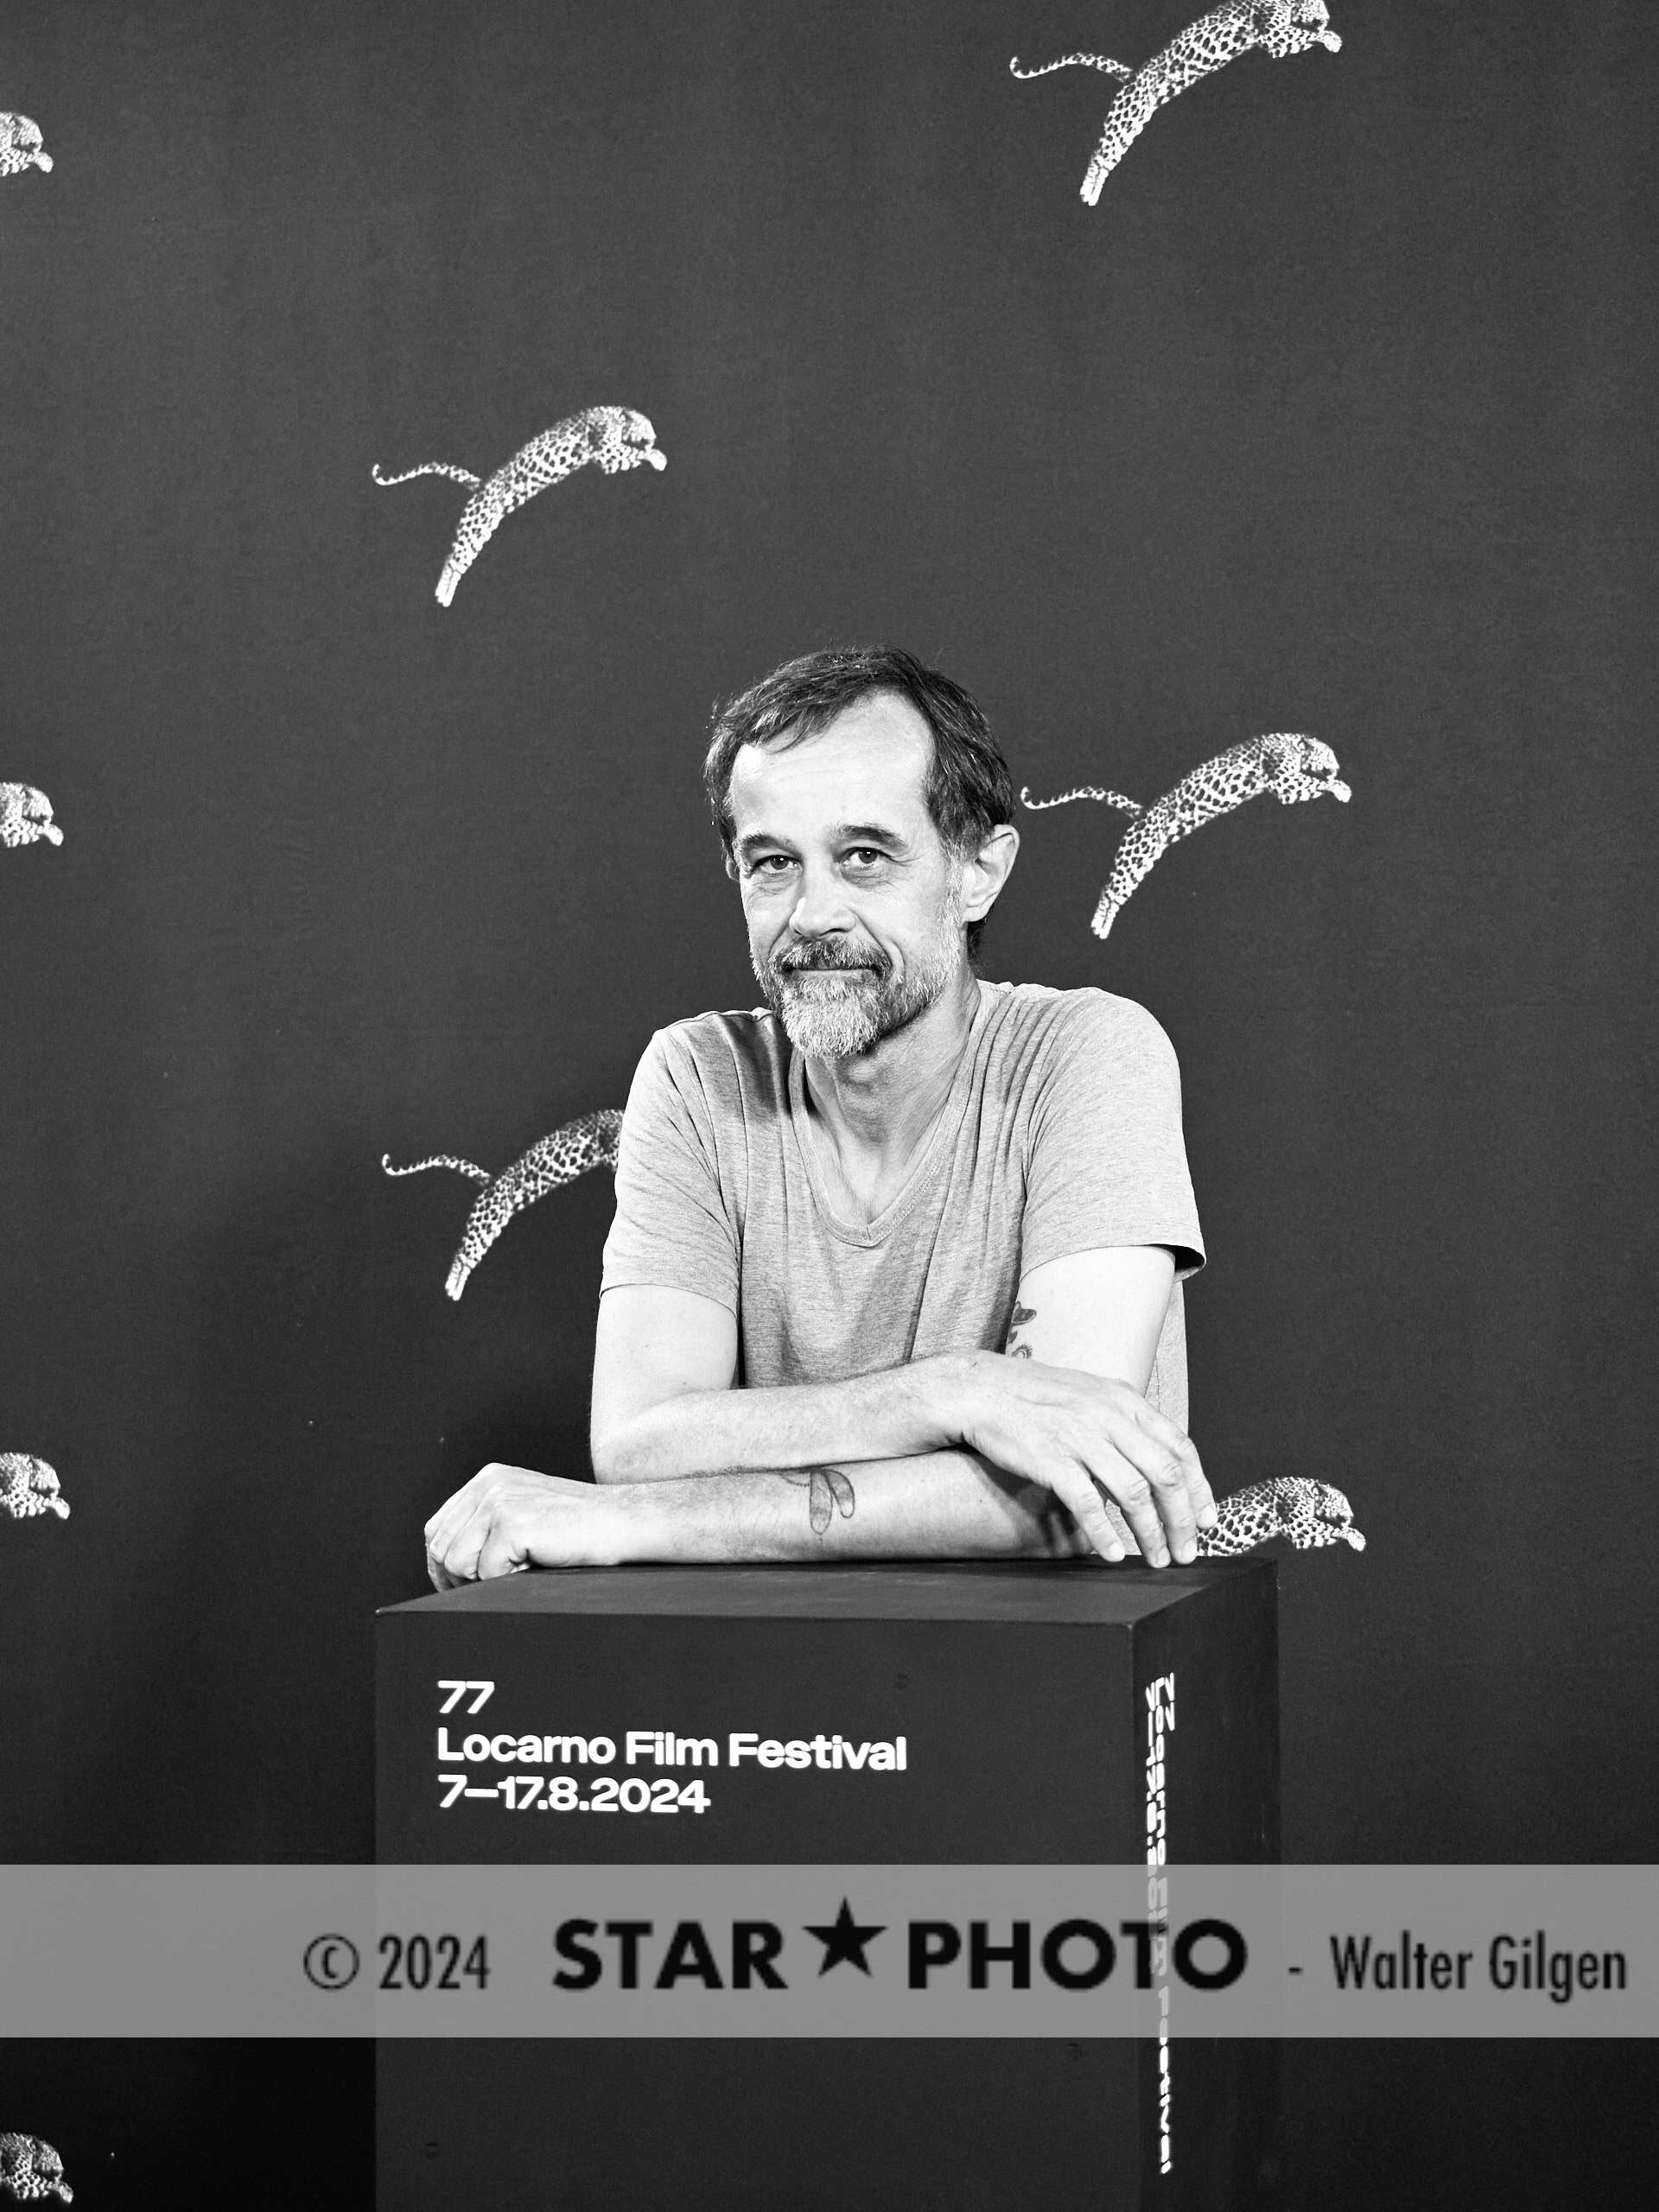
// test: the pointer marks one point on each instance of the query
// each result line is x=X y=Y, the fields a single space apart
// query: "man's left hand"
x=507 y=1518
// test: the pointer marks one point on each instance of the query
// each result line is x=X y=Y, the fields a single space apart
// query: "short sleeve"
x=672 y=1229
x=1105 y=1162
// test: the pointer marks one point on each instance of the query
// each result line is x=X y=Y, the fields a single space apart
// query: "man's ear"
x=985 y=873
x=730 y=866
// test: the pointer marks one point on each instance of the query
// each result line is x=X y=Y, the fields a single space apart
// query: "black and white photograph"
x=874 y=1097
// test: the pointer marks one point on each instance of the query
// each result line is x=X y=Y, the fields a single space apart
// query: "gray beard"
x=827 y=1017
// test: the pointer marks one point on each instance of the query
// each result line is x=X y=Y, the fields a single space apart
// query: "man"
x=894 y=1268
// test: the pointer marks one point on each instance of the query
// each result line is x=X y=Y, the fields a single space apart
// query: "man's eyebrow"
x=843 y=833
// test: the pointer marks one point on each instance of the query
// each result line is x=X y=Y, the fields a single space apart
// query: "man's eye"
x=867 y=852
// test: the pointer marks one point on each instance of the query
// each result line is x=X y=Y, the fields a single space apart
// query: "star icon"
x=844 y=1938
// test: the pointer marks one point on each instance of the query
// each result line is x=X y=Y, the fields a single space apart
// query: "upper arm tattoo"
x=827 y=1488
x=1017 y=1320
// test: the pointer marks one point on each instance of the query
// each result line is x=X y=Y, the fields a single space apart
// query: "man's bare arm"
x=663 y=1403
x=1066 y=1410
x=1104 y=1311
x=944 y=1506
x=969 y=1456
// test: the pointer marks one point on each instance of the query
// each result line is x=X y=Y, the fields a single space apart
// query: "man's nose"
x=822 y=907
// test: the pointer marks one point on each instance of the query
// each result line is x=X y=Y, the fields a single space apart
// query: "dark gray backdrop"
x=1331 y=416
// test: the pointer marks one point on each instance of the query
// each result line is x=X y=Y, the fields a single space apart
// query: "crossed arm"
x=1046 y=1451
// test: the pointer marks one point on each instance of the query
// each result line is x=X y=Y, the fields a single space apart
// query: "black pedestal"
x=1016 y=1696
x=1034 y=2126
x=976 y=1715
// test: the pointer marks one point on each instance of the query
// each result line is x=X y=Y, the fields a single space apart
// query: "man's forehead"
x=870 y=763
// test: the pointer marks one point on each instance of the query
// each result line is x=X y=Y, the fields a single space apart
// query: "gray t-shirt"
x=1061 y=1134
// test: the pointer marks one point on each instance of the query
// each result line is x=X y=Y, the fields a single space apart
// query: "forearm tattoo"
x=826 y=1488
x=1021 y=1315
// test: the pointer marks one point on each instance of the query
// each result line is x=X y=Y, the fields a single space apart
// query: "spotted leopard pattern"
x=613 y=438
x=20 y=145
x=589 y=1141
x=1310 y=1514
x=25 y=816
x=1280 y=28
x=31 y=2170
x=29 y=1487
x=1291 y=766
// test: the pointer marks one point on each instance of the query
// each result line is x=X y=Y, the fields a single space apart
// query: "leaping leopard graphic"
x=588 y=1141
x=29 y=1487
x=1310 y=1514
x=1293 y=768
x=20 y=145
x=26 y=815
x=614 y=438
x=1280 y=28
x=30 y=2169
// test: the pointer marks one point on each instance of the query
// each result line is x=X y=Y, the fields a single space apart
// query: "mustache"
x=821 y=960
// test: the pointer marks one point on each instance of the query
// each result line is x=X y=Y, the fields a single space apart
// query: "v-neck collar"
x=941 y=1138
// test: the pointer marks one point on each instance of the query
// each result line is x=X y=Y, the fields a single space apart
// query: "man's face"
x=853 y=904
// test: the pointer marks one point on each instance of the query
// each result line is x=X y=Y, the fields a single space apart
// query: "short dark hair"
x=969 y=790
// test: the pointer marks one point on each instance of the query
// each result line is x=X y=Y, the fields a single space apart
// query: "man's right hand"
x=1073 y=1431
